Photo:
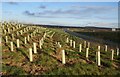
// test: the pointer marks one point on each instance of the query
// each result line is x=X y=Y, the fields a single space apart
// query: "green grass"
x=82 y=69
x=111 y=36
x=12 y=70
x=47 y=62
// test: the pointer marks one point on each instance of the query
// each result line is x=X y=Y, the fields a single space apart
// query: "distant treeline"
x=58 y=26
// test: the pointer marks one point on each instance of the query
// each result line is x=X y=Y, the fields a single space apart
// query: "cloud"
x=28 y=13
x=12 y=3
x=77 y=12
x=95 y=9
x=42 y=7
x=48 y=14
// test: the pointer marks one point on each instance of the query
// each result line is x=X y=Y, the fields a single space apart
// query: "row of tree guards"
x=69 y=41
x=80 y=48
x=27 y=40
x=72 y=43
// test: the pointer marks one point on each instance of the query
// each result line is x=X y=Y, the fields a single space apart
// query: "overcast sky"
x=99 y=14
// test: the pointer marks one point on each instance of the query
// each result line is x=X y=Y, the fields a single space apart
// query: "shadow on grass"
x=23 y=53
x=66 y=64
x=41 y=51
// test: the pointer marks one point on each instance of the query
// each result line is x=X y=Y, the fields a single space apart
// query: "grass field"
x=111 y=36
x=48 y=60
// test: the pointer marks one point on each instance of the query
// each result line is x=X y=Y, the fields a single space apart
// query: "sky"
x=98 y=14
